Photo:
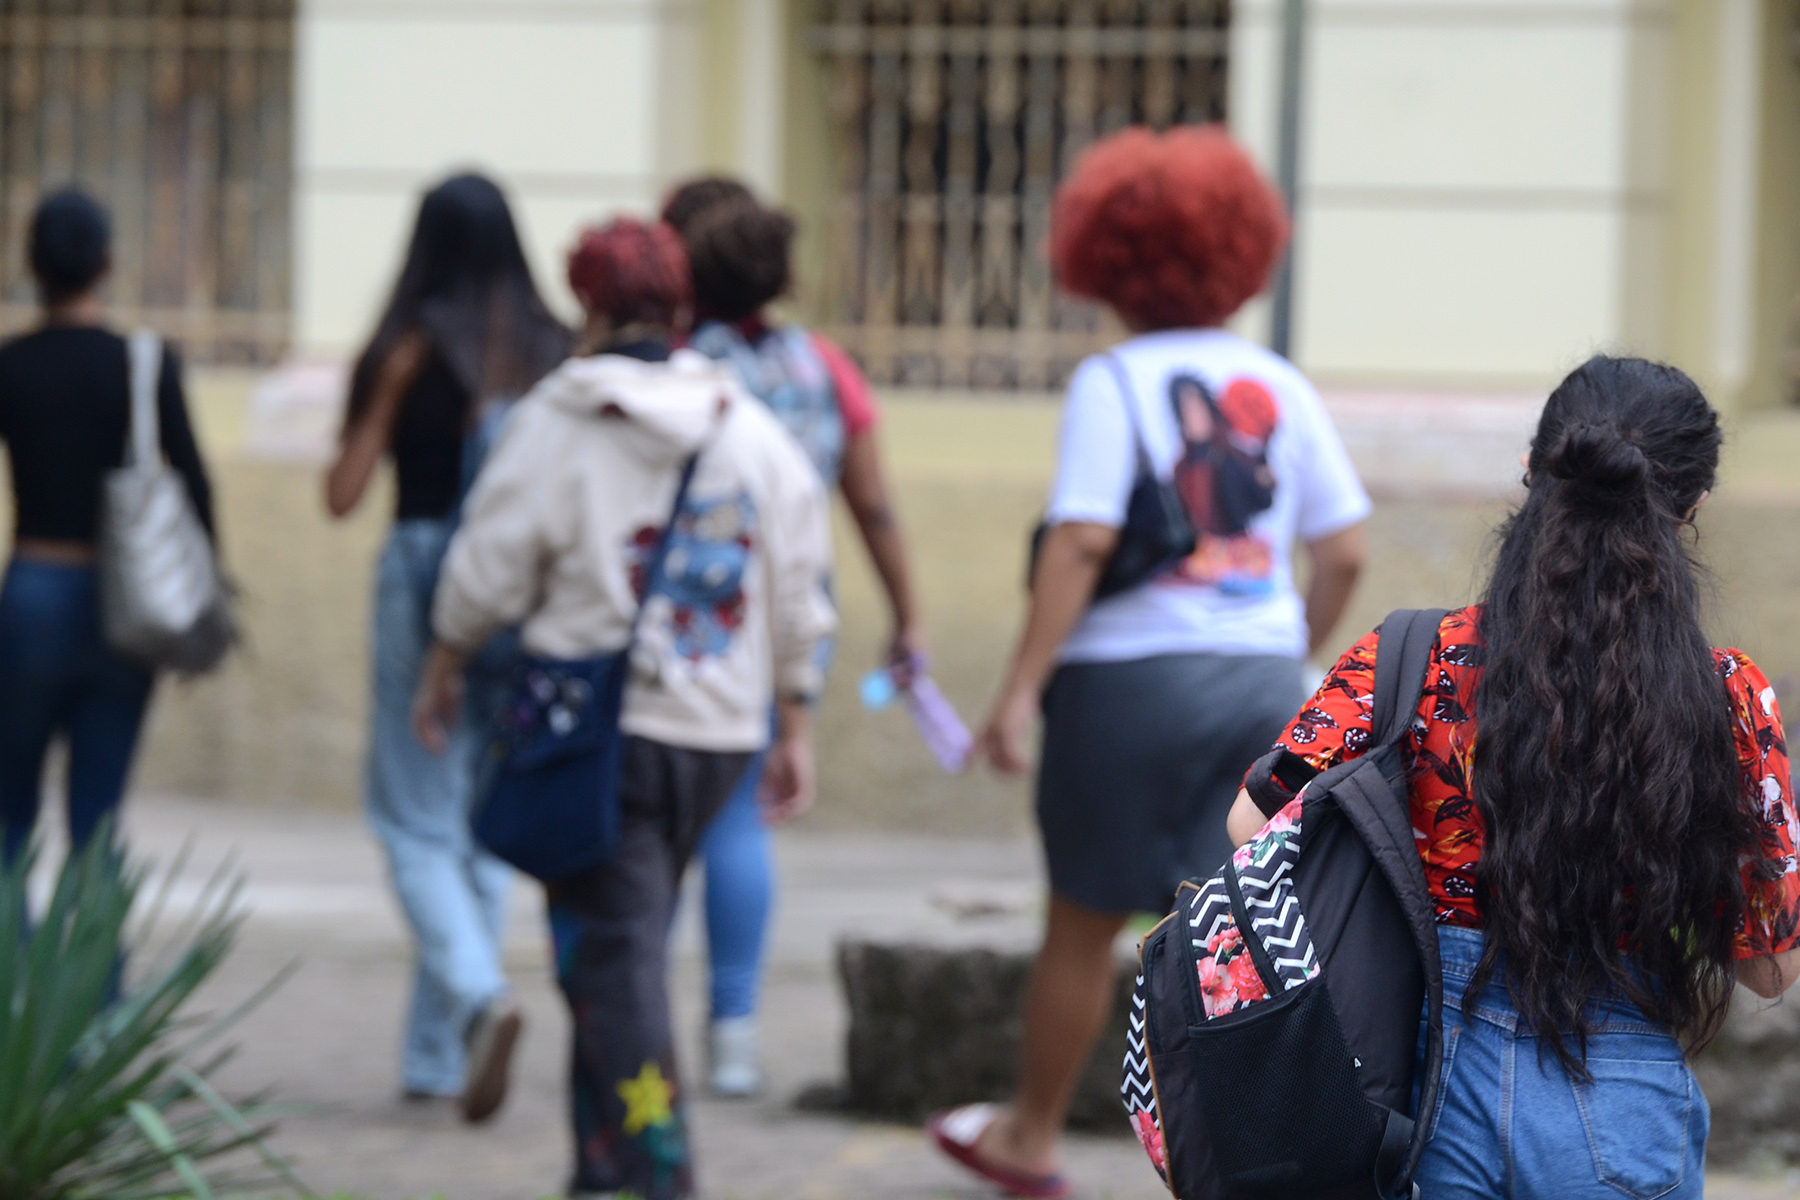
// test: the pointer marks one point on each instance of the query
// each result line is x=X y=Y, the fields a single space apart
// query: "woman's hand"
x=1245 y=820
x=790 y=778
x=1069 y=565
x=1005 y=734
x=905 y=651
x=437 y=705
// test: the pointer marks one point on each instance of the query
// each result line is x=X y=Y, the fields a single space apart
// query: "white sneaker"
x=733 y=1055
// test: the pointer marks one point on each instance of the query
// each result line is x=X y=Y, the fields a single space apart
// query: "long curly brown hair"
x=1605 y=769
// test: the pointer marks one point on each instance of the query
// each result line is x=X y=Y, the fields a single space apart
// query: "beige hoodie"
x=567 y=507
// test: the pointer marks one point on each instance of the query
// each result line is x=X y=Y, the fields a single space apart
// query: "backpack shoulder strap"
x=1402 y=660
x=1128 y=396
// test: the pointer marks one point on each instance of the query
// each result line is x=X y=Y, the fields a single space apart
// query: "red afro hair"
x=630 y=270
x=1172 y=230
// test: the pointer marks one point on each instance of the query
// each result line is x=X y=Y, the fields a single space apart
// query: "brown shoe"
x=492 y=1035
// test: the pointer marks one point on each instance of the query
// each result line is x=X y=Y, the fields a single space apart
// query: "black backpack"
x=1276 y=1028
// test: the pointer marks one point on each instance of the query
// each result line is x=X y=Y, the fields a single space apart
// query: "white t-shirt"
x=1257 y=463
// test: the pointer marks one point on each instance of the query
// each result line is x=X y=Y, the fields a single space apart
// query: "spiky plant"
x=104 y=1089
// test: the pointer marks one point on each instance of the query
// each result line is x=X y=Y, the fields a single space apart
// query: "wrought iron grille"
x=953 y=121
x=177 y=115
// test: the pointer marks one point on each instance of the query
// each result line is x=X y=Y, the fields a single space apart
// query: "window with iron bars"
x=953 y=121
x=177 y=115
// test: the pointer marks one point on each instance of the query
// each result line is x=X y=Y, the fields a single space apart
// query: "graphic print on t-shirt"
x=703 y=574
x=1224 y=480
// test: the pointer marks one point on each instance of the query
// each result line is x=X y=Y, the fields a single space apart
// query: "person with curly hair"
x=559 y=535
x=1157 y=697
x=740 y=252
x=1606 y=808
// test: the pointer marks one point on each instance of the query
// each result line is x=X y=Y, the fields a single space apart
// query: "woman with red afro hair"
x=579 y=531
x=1162 y=668
x=1173 y=230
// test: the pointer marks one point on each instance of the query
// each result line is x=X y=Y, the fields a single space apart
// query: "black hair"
x=695 y=196
x=1605 y=769
x=739 y=254
x=71 y=244
x=467 y=286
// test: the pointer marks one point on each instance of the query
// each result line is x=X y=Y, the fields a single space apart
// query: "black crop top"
x=64 y=407
x=427 y=442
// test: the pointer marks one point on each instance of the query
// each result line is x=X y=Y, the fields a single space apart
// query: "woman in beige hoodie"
x=555 y=538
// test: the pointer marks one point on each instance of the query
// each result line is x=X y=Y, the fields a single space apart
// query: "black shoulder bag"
x=1157 y=533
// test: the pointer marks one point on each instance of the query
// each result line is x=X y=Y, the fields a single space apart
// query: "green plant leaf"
x=151 y=1122
x=107 y=1094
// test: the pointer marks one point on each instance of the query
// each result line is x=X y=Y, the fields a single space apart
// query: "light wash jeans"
x=453 y=893
x=1512 y=1125
x=738 y=862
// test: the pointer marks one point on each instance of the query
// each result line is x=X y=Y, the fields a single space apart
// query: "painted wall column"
x=761 y=111
x=1737 y=173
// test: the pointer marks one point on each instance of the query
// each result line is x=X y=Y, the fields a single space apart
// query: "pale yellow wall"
x=1491 y=191
x=1734 y=231
x=1771 y=382
x=579 y=107
x=1481 y=184
x=809 y=176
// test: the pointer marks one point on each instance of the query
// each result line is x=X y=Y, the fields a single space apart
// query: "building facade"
x=1491 y=189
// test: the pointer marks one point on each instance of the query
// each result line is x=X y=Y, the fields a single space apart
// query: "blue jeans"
x=58 y=676
x=453 y=893
x=738 y=856
x=1510 y=1123
x=740 y=895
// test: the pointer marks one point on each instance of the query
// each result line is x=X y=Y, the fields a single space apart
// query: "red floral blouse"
x=1336 y=725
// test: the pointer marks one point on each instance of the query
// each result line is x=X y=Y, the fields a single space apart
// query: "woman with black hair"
x=1602 y=804
x=465 y=332
x=64 y=412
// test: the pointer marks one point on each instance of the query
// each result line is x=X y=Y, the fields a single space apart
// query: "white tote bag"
x=163 y=601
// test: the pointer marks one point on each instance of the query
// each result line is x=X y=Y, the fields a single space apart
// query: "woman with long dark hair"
x=464 y=333
x=1602 y=803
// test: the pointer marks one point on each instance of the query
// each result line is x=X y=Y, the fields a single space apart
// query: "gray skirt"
x=1141 y=762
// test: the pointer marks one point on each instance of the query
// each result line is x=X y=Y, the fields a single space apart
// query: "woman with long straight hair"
x=464 y=332
x=1603 y=807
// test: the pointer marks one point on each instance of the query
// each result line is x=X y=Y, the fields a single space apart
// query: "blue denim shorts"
x=1510 y=1122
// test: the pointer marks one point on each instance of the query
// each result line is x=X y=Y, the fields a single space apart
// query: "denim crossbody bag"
x=549 y=804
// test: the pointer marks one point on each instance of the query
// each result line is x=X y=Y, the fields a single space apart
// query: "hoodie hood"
x=677 y=401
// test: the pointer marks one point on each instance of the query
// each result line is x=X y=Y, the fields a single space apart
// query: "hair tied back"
x=1599 y=460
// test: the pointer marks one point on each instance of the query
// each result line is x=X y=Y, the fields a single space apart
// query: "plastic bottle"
x=932 y=713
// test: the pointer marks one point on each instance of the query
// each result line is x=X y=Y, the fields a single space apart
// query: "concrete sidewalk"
x=328 y=1038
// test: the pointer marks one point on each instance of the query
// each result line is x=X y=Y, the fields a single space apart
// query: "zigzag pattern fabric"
x=1228 y=976
x=1264 y=865
x=1139 y=1089
x=1228 y=980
